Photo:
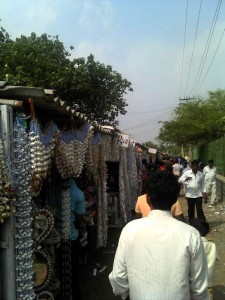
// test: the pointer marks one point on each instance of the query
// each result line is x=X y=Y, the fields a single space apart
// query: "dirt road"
x=97 y=287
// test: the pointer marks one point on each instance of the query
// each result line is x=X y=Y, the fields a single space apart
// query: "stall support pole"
x=7 y=243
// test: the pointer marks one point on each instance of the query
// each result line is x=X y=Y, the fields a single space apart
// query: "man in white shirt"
x=210 y=181
x=194 y=186
x=158 y=257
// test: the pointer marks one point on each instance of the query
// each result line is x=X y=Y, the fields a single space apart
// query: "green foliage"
x=196 y=122
x=89 y=86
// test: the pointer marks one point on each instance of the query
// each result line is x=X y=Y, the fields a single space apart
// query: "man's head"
x=194 y=166
x=163 y=190
x=201 y=225
x=210 y=163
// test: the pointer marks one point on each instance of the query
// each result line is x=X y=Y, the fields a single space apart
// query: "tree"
x=196 y=122
x=89 y=86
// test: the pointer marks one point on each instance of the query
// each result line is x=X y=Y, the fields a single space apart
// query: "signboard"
x=152 y=150
x=123 y=140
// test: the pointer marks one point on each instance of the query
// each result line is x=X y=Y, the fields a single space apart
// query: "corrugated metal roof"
x=45 y=100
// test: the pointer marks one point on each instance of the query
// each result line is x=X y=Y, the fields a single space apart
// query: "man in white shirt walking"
x=158 y=257
x=194 y=186
x=210 y=181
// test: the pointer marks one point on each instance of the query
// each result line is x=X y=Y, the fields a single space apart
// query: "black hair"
x=163 y=189
x=194 y=162
x=169 y=167
x=201 y=225
x=211 y=161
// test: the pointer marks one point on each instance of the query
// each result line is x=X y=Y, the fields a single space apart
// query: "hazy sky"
x=141 y=39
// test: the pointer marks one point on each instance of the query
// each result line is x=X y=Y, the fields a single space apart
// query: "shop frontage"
x=43 y=144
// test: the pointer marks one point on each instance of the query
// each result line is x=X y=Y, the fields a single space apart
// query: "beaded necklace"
x=23 y=237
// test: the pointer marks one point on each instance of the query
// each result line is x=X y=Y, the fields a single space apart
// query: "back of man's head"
x=163 y=190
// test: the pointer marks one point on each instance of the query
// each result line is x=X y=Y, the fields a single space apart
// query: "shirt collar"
x=159 y=213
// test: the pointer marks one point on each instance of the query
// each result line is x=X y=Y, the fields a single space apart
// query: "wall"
x=214 y=150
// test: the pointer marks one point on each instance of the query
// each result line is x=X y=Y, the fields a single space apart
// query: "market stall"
x=43 y=144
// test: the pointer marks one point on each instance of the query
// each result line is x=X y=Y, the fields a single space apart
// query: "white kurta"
x=160 y=258
x=211 y=256
x=210 y=182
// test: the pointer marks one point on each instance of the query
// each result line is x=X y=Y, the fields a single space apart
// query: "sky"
x=155 y=44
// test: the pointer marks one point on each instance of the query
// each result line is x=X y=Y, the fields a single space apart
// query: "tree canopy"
x=88 y=85
x=196 y=122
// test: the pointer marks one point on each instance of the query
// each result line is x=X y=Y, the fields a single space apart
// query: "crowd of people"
x=158 y=257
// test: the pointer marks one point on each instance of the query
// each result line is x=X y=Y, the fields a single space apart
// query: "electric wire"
x=147 y=122
x=192 y=55
x=207 y=48
x=149 y=129
x=212 y=60
x=205 y=53
x=185 y=31
x=150 y=111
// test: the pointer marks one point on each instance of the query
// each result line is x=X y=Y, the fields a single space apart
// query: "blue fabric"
x=77 y=206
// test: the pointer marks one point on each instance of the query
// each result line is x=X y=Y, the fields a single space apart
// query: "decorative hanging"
x=7 y=192
x=66 y=243
x=124 y=184
x=65 y=211
x=102 y=206
x=42 y=145
x=44 y=223
x=71 y=150
x=45 y=296
x=133 y=175
x=43 y=269
x=23 y=237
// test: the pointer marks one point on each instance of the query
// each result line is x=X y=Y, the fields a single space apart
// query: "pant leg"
x=199 y=208
x=75 y=250
x=191 y=208
x=213 y=193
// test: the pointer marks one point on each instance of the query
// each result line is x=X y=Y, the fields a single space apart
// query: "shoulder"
x=188 y=231
x=142 y=198
x=133 y=226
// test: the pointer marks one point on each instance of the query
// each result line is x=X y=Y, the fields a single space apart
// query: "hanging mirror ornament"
x=7 y=192
x=42 y=145
x=45 y=295
x=23 y=238
x=43 y=269
x=44 y=223
x=71 y=150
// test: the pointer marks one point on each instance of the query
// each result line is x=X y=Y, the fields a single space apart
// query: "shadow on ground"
x=219 y=292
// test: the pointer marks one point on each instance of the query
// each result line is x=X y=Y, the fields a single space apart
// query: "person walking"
x=194 y=186
x=210 y=181
x=159 y=257
x=142 y=208
x=210 y=251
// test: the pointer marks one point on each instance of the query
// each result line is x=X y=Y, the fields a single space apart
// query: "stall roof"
x=43 y=99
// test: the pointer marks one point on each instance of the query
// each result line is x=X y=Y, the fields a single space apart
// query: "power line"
x=192 y=55
x=147 y=122
x=185 y=29
x=212 y=59
x=208 y=48
x=204 y=56
x=151 y=111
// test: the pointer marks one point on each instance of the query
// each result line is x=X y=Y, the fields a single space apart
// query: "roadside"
x=97 y=286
